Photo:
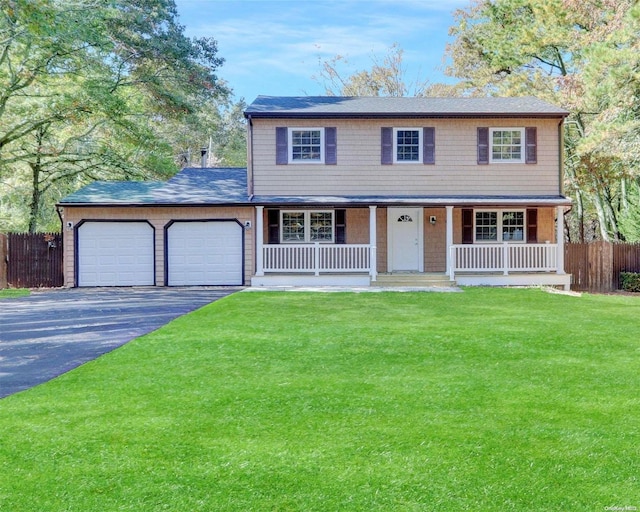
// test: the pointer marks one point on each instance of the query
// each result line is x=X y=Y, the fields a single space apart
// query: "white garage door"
x=115 y=254
x=204 y=253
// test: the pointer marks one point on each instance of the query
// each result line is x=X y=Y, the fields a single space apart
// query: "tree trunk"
x=34 y=207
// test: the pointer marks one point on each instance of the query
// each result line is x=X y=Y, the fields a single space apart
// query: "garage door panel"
x=204 y=253
x=115 y=254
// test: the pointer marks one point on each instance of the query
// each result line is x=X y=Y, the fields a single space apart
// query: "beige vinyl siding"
x=359 y=171
x=159 y=217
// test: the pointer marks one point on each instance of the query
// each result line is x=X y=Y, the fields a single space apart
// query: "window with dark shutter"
x=341 y=226
x=467 y=226
x=429 y=143
x=532 y=225
x=273 y=226
x=330 y=146
x=531 y=141
x=386 y=150
x=282 y=152
x=483 y=146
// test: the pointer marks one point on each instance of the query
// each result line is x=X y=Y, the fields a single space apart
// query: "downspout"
x=561 y=156
x=250 y=156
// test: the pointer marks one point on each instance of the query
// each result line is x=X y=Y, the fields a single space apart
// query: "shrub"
x=630 y=281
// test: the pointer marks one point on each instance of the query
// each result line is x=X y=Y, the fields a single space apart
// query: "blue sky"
x=275 y=47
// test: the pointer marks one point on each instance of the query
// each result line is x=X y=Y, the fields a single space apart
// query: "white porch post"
x=560 y=240
x=373 y=242
x=449 y=228
x=259 y=240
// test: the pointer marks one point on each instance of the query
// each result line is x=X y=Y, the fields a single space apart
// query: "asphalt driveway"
x=51 y=332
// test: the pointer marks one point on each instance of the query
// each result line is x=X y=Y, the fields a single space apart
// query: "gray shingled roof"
x=189 y=186
x=361 y=106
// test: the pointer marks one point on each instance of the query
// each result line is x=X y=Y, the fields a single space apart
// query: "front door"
x=405 y=239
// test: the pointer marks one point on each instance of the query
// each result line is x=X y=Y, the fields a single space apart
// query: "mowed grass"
x=10 y=293
x=491 y=399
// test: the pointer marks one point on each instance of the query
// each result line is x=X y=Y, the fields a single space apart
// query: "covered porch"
x=388 y=250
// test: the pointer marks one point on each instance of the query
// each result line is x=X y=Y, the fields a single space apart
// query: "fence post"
x=4 y=251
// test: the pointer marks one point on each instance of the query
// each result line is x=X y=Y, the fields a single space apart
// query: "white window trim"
x=420 y=145
x=307 y=227
x=523 y=145
x=290 y=131
x=499 y=227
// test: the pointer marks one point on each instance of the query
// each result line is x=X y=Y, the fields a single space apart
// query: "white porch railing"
x=503 y=258
x=317 y=258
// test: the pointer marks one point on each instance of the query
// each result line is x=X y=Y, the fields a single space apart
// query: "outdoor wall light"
x=432 y=219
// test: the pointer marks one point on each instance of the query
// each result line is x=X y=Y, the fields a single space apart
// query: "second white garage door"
x=204 y=253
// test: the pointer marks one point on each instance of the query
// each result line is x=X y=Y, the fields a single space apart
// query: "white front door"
x=406 y=242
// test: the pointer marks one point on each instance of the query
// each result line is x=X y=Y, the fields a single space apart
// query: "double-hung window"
x=302 y=145
x=407 y=144
x=307 y=226
x=306 y=145
x=499 y=226
x=507 y=145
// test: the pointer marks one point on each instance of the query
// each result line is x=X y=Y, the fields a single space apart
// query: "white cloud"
x=283 y=42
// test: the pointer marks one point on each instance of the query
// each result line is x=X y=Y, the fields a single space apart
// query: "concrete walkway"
x=51 y=332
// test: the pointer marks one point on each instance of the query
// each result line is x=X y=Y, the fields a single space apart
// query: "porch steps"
x=413 y=280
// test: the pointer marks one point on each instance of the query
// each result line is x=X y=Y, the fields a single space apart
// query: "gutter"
x=406 y=115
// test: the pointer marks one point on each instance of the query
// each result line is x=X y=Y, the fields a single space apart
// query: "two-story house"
x=344 y=191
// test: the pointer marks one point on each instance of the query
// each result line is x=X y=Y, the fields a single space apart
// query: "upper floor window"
x=507 y=145
x=306 y=145
x=408 y=145
x=307 y=226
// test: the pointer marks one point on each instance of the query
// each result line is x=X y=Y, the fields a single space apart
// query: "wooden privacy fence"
x=596 y=266
x=31 y=260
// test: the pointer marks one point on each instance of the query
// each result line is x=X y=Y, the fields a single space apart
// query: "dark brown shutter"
x=429 y=142
x=386 y=150
x=330 y=147
x=467 y=226
x=532 y=225
x=282 y=150
x=341 y=226
x=273 y=226
x=483 y=146
x=531 y=141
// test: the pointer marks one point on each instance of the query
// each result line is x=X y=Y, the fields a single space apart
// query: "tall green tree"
x=558 y=50
x=85 y=87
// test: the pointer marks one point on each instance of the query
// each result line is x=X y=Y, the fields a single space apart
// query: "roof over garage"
x=191 y=186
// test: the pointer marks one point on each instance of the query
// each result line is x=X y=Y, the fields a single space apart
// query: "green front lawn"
x=487 y=400
x=10 y=293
